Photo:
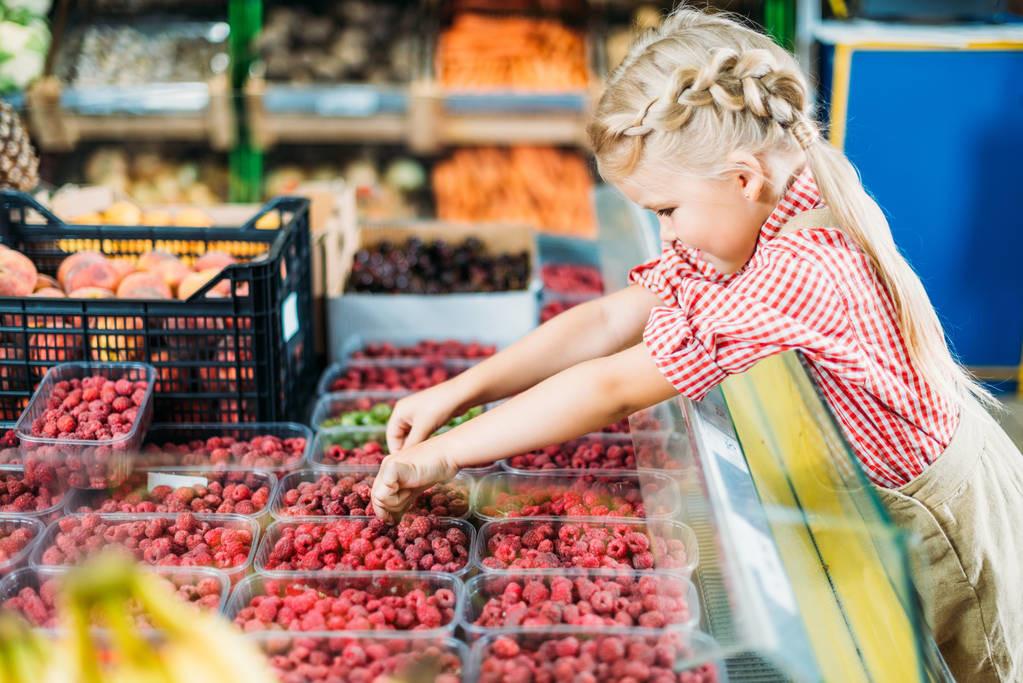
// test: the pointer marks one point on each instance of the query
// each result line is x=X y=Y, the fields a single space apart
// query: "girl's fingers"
x=396 y=433
x=418 y=433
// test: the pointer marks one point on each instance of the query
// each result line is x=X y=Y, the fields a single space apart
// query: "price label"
x=758 y=549
x=175 y=481
x=289 y=317
x=351 y=102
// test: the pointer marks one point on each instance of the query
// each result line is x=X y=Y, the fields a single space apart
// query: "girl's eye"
x=665 y=213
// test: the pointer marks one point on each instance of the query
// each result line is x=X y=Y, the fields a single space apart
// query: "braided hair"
x=703 y=86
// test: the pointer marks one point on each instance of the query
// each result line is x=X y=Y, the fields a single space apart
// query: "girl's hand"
x=405 y=475
x=418 y=416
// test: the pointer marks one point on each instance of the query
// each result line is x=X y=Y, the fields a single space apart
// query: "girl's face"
x=719 y=216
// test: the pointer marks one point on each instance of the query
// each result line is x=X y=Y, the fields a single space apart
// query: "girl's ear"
x=749 y=174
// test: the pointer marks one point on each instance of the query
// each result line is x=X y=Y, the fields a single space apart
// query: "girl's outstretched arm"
x=591 y=330
x=581 y=399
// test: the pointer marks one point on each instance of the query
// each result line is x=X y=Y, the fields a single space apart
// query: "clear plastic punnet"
x=395 y=347
x=402 y=655
x=264 y=562
x=278 y=447
x=453 y=498
x=28 y=533
x=201 y=586
x=353 y=447
x=518 y=545
x=89 y=463
x=627 y=495
x=48 y=479
x=336 y=405
x=550 y=601
x=135 y=524
x=241 y=490
x=403 y=374
x=677 y=655
x=602 y=452
x=374 y=584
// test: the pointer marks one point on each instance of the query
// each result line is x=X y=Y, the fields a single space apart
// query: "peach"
x=50 y=293
x=91 y=270
x=172 y=272
x=193 y=282
x=73 y=261
x=153 y=259
x=123 y=268
x=156 y=217
x=214 y=259
x=92 y=218
x=122 y=213
x=91 y=293
x=144 y=286
x=17 y=273
x=192 y=218
x=44 y=281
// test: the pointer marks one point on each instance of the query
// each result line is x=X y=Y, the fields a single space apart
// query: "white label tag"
x=723 y=446
x=760 y=552
x=289 y=316
x=175 y=481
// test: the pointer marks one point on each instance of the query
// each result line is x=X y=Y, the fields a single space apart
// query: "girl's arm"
x=579 y=400
x=591 y=330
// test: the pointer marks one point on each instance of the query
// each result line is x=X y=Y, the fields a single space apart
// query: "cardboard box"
x=488 y=316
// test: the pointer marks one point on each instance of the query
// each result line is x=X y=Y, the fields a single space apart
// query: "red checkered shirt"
x=813 y=291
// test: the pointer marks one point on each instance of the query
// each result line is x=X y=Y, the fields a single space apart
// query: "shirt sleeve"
x=664 y=275
x=784 y=303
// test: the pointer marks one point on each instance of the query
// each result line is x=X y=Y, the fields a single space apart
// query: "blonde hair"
x=702 y=86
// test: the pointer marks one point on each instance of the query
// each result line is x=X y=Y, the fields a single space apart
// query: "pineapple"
x=19 y=165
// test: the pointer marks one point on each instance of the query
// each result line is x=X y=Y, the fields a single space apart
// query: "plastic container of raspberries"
x=40 y=495
x=336 y=404
x=340 y=448
x=284 y=531
x=373 y=585
x=135 y=525
x=601 y=452
x=277 y=447
x=518 y=545
x=552 y=600
x=416 y=347
x=18 y=538
x=299 y=657
x=10 y=453
x=196 y=585
x=236 y=490
x=626 y=495
x=678 y=655
x=91 y=463
x=402 y=374
x=310 y=493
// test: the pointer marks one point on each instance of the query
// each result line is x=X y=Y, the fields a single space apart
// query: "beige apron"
x=967 y=510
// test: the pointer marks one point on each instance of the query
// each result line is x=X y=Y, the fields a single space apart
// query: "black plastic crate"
x=246 y=357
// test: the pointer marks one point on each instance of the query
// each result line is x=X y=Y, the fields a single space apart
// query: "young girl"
x=771 y=244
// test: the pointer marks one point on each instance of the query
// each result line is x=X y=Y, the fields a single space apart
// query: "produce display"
x=315 y=659
x=339 y=604
x=359 y=41
x=370 y=453
x=39 y=604
x=306 y=493
x=436 y=267
x=185 y=540
x=487 y=52
x=150 y=177
x=547 y=188
x=590 y=495
x=14 y=538
x=27 y=490
x=625 y=600
x=542 y=544
x=240 y=492
x=417 y=542
x=427 y=349
x=267 y=452
x=10 y=454
x=93 y=408
x=26 y=40
x=592 y=657
x=142 y=53
x=571 y=278
x=373 y=376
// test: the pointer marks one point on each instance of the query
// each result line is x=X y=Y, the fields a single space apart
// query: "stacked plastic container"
x=146 y=488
